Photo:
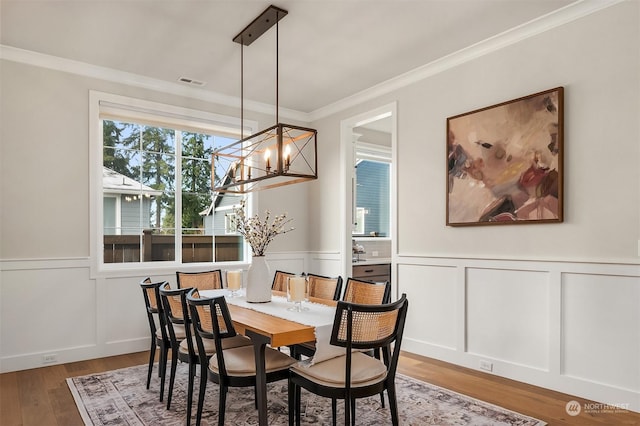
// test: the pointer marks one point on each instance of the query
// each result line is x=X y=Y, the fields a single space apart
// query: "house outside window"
x=372 y=193
x=157 y=204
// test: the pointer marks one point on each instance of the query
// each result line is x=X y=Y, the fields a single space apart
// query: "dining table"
x=275 y=324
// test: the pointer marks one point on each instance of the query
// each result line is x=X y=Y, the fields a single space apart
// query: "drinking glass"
x=297 y=291
x=234 y=282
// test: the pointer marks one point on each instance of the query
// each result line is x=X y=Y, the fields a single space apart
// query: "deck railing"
x=159 y=247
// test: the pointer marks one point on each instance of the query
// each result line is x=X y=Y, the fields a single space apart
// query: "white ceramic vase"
x=259 y=281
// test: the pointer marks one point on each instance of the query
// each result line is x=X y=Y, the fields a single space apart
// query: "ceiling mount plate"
x=260 y=25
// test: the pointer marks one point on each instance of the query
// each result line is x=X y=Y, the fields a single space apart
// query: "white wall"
x=45 y=195
x=554 y=305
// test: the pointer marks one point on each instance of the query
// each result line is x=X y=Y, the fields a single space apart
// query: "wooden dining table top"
x=282 y=332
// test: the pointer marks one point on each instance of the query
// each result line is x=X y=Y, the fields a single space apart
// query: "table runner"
x=318 y=316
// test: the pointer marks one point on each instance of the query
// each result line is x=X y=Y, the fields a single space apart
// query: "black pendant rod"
x=277 y=72
x=241 y=91
x=267 y=19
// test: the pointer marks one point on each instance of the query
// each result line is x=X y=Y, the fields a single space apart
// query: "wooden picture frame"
x=505 y=162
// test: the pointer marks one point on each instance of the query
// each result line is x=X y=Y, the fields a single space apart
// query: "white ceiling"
x=329 y=50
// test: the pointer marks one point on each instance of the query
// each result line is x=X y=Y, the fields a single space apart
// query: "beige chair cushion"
x=177 y=328
x=365 y=370
x=241 y=361
x=210 y=346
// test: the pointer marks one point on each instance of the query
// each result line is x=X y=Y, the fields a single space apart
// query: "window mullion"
x=141 y=179
x=178 y=198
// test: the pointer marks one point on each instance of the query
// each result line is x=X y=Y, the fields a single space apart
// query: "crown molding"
x=514 y=35
x=537 y=26
x=57 y=63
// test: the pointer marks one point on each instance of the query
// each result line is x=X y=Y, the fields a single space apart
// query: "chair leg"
x=161 y=360
x=201 y=392
x=376 y=354
x=190 y=379
x=172 y=375
x=353 y=412
x=222 y=404
x=294 y=353
x=393 y=403
x=334 y=411
x=152 y=356
x=298 y=394
x=163 y=369
x=347 y=411
x=291 y=401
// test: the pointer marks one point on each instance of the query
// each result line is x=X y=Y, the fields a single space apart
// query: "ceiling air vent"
x=191 y=81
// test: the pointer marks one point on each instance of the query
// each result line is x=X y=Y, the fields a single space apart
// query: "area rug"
x=120 y=397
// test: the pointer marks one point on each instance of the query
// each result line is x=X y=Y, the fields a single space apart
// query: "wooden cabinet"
x=377 y=273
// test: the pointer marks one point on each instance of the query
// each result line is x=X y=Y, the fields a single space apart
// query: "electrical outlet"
x=49 y=358
x=374 y=253
x=486 y=365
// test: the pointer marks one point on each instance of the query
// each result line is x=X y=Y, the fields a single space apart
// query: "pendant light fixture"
x=282 y=154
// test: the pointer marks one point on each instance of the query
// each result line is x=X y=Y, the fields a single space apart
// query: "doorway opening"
x=368 y=147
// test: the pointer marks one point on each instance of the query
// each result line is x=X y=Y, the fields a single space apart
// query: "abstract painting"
x=504 y=162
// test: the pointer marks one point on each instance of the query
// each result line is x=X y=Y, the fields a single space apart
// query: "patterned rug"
x=119 y=397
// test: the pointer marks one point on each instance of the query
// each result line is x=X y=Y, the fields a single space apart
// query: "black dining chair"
x=158 y=329
x=355 y=375
x=371 y=293
x=179 y=330
x=230 y=366
x=184 y=343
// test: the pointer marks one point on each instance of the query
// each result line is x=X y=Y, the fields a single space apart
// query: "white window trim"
x=107 y=103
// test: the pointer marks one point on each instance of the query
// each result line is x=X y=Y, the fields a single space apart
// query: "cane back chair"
x=355 y=375
x=207 y=280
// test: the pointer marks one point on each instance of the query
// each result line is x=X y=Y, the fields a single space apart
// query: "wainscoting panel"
x=507 y=315
x=123 y=304
x=433 y=314
x=289 y=262
x=46 y=312
x=568 y=326
x=327 y=264
x=600 y=323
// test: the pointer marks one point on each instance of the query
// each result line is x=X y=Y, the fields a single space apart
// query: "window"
x=372 y=191
x=230 y=223
x=157 y=204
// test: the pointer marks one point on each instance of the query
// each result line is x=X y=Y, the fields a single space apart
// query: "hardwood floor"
x=40 y=397
x=543 y=404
